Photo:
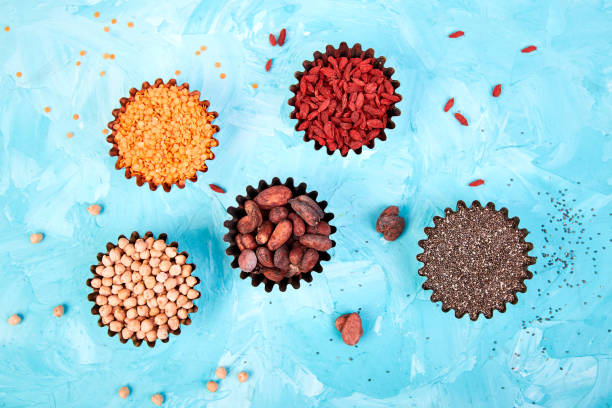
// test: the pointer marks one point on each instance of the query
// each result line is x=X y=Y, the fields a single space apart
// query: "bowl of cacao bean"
x=143 y=289
x=279 y=234
x=344 y=99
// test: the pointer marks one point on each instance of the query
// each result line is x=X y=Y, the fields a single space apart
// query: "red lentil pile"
x=343 y=103
x=165 y=134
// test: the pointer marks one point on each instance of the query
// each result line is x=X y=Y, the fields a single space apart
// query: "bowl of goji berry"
x=345 y=99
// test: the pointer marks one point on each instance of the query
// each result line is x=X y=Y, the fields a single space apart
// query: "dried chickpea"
x=191 y=281
x=170 y=284
x=184 y=288
x=126 y=260
x=108 y=272
x=158 y=288
x=159 y=245
x=126 y=333
x=162 y=276
x=145 y=254
x=154 y=311
x=212 y=386
x=119 y=315
x=188 y=305
x=129 y=302
x=136 y=256
x=150 y=241
x=140 y=245
x=186 y=270
x=125 y=293
x=152 y=302
x=136 y=277
x=180 y=280
x=136 y=265
x=58 y=311
x=124 y=391
x=148 y=294
x=192 y=294
x=243 y=376
x=129 y=249
x=132 y=313
x=173 y=323
x=146 y=325
x=99 y=269
x=143 y=310
x=36 y=238
x=122 y=242
x=115 y=326
x=115 y=289
x=117 y=279
x=149 y=281
x=114 y=300
x=107 y=319
x=175 y=270
x=170 y=310
x=151 y=335
x=119 y=269
x=172 y=295
x=140 y=335
x=133 y=324
x=162 y=300
x=106 y=261
x=180 y=259
x=126 y=277
x=107 y=282
x=182 y=313
x=161 y=319
x=139 y=288
x=162 y=332
x=221 y=372
x=105 y=291
x=164 y=265
x=154 y=261
x=114 y=255
x=145 y=270
x=170 y=251
x=94 y=209
x=105 y=310
x=141 y=300
x=14 y=320
x=101 y=300
x=96 y=283
x=182 y=299
x=157 y=399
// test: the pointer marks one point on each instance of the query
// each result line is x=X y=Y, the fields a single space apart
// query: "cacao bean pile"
x=281 y=235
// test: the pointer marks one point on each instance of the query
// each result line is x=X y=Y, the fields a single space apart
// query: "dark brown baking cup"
x=354 y=52
x=114 y=151
x=446 y=285
x=239 y=212
x=92 y=296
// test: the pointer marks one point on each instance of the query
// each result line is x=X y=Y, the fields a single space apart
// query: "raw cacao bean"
x=352 y=329
x=339 y=323
x=316 y=241
x=296 y=253
x=293 y=270
x=299 y=228
x=277 y=214
x=246 y=224
x=309 y=260
x=273 y=274
x=390 y=224
x=265 y=257
x=274 y=196
x=263 y=232
x=246 y=241
x=306 y=208
x=281 y=258
x=254 y=212
x=247 y=260
x=321 y=228
x=280 y=235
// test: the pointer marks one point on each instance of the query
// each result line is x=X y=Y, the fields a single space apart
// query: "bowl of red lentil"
x=163 y=134
x=143 y=289
x=345 y=99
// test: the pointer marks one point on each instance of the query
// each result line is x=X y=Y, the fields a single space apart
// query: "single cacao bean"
x=312 y=203
x=280 y=235
x=254 y=212
x=309 y=260
x=263 y=232
x=293 y=270
x=277 y=214
x=309 y=214
x=273 y=274
x=247 y=241
x=265 y=256
x=339 y=323
x=352 y=329
x=296 y=253
x=299 y=228
x=281 y=258
x=390 y=224
x=246 y=224
x=316 y=241
x=247 y=260
x=274 y=196
x=321 y=228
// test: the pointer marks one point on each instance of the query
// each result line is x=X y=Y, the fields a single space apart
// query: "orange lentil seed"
x=197 y=52
x=78 y=63
x=114 y=21
x=47 y=109
x=69 y=135
x=7 y=29
x=105 y=131
x=130 y=24
x=177 y=72
x=107 y=29
x=18 y=74
x=112 y=56
x=83 y=52
x=75 y=117
x=203 y=48
x=217 y=64
x=222 y=75
x=102 y=73
x=255 y=86
x=105 y=55
x=97 y=14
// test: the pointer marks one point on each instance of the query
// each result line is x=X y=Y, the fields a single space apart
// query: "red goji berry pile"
x=342 y=103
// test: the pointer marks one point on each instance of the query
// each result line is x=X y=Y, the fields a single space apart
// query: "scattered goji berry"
x=216 y=188
x=476 y=183
x=449 y=104
x=272 y=40
x=281 y=37
x=269 y=65
x=531 y=48
x=461 y=119
x=456 y=34
x=497 y=90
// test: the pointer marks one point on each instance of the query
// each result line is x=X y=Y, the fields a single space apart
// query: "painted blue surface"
x=546 y=139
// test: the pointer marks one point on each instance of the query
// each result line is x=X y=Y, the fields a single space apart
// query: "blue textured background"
x=543 y=148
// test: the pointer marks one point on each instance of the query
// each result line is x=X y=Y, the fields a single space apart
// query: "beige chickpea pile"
x=144 y=289
x=165 y=134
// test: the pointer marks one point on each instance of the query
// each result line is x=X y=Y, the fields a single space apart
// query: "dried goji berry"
x=268 y=65
x=528 y=49
x=272 y=39
x=456 y=34
x=216 y=188
x=497 y=90
x=449 y=104
x=461 y=119
x=281 y=37
x=476 y=183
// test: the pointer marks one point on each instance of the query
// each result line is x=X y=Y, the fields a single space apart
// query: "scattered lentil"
x=18 y=74
x=222 y=76
x=69 y=135
x=221 y=373
x=97 y=14
x=157 y=399
x=130 y=24
x=106 y=29
x=255 y=85
x=114 y=21
x=94 y=209
x=47 y=109
x=75 y=117
x=243 y=376
x=58 y=311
